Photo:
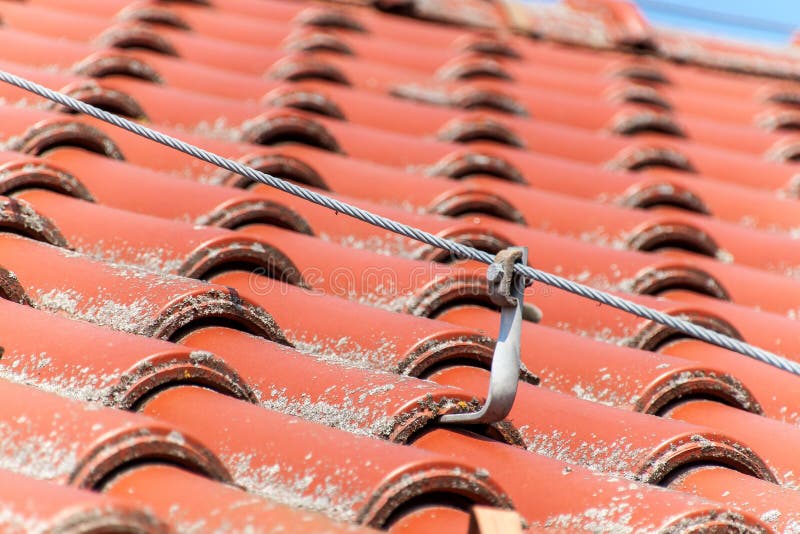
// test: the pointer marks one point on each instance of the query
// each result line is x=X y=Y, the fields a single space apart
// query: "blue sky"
x=764 y=21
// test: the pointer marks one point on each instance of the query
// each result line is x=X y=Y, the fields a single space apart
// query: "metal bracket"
x=506 y=289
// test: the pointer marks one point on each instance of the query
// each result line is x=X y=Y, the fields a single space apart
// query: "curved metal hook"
x=507 y=290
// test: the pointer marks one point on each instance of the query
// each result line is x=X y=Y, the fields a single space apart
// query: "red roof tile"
x=350 y=477
x=31 y=505
x=193 y=352
x=191 y=502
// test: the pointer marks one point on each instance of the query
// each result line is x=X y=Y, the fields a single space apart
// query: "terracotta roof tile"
x=573 y=488
x=98 y=364
x=31 y=505
x=53 y=438
x=377 y=404
x=185 y=350
x=762 y=499
x=149 y=304
x=191 y=502
x=650 y=450
x=314 y=467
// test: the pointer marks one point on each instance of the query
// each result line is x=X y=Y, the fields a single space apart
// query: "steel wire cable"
x=459 y=250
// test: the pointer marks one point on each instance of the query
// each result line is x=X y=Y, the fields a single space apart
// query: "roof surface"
x=183 y=350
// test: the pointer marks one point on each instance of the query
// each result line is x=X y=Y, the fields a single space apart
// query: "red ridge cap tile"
x=585 y=28
x=718 y=55
x=623 y=20
x=346 y=476
x=31 y=505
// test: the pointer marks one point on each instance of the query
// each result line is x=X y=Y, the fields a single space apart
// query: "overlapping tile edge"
x=174 y=337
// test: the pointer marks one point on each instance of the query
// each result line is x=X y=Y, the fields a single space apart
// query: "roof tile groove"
x=183 y=350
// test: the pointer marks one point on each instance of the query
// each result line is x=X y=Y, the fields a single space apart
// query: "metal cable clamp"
x=507 y=290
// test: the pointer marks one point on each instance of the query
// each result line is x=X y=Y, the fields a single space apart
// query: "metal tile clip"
x=506 y=289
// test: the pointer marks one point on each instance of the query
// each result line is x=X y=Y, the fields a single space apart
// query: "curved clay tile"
x=71 y=442
x=141 y=279
x=186 y=500
x=93 y=364
x=325 y=469
x=126 y=298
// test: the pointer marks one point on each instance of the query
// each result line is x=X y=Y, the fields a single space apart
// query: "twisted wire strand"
x=457 y=249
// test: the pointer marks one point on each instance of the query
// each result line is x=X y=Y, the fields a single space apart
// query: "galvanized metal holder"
x=507 y=290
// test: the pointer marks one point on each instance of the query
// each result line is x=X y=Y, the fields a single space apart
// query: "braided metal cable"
x=457 y=249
